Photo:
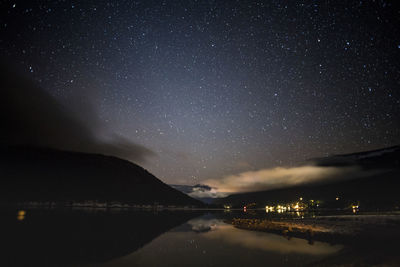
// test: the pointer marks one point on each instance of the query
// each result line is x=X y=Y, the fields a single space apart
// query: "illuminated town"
x=300 y=205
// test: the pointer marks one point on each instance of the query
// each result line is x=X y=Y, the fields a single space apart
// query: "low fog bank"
x=319 y=170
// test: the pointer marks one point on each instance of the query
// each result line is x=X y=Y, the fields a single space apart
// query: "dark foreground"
x=195 y=238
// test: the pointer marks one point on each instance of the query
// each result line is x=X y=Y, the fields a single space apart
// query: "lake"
x=157 y=238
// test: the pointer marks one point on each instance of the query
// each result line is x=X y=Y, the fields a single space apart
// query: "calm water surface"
x=162 y=238
x=208 y=241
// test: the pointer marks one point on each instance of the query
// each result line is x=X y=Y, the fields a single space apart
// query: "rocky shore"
x=333 y=229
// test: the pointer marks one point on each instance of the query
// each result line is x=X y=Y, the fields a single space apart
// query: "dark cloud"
x=375 y=159
x=30 y=116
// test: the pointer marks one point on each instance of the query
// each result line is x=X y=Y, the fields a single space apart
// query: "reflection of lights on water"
x=21 y=215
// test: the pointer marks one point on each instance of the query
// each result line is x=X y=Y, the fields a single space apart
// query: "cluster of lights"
x=283 y=208
x=278 y=208
x=297 y=206
x=269 y=208
x=355 y=208
x=21 y=215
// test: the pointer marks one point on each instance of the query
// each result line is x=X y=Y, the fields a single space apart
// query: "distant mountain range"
x=42 y=174
x=378 y=189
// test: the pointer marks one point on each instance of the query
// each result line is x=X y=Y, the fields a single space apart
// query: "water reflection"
x=54 y=238
x=203 y=225
x=208 y=241
x=264 y=241
x=145 y=238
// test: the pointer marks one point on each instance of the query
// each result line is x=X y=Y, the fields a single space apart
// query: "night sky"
x=216 y=88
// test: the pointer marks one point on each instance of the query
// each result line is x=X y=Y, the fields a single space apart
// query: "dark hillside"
x=38 y=174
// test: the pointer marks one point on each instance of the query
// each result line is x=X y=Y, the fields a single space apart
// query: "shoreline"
x=333 y=229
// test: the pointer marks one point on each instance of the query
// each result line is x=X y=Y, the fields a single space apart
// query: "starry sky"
x=216 y=88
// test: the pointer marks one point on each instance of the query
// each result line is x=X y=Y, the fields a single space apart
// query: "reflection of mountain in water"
x=215 y=229
x=208 y=241
x=78 y=237
x=203 y=225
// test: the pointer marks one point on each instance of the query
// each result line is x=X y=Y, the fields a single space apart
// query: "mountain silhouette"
x=43 y=174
